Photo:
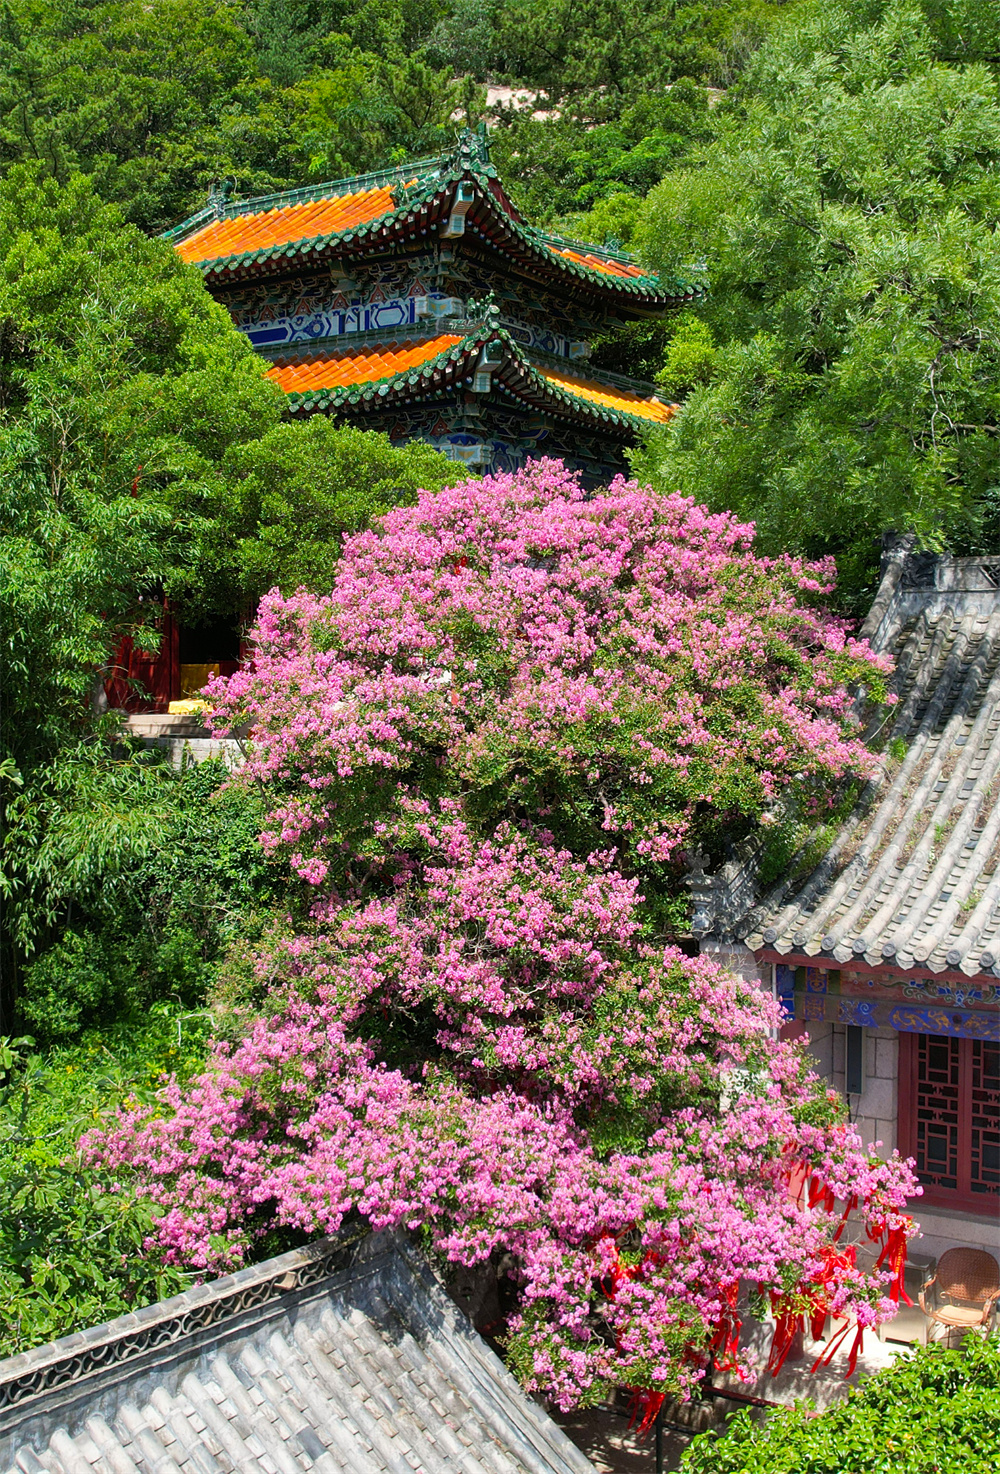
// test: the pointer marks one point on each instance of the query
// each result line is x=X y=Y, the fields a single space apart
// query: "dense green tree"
x=277 y=516
x=122 y=90
x=573 y=48
x=71 y=1241
x=142 y=454
x=126 y=881
x=846 y=216
x=368 y=112
x=596 y=150
x=122 y=384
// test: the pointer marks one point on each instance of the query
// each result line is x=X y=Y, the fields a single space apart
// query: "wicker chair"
x=969 y=1276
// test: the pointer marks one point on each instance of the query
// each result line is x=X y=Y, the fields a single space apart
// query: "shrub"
x=934 y=1411
x=71 y=1241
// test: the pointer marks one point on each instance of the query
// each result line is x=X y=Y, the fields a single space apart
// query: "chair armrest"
x=924 y=1288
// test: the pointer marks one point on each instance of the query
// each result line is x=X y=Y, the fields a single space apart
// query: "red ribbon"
x=726 y=1341
x=894 y=1253
x=834 y=1344
x=646 y=1405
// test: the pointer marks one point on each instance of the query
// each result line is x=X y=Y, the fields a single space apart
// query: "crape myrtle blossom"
x=618 y=665
x=487 y=748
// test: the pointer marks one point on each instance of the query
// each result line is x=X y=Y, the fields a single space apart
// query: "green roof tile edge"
x=306 y=194
x=452 y=354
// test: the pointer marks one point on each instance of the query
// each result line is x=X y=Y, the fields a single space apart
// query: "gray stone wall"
x=875 y=1111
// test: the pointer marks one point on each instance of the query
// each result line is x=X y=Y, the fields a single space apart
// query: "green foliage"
x=71 y=1240
x=123 y=91
x=845 y=215
x=934 y=1411
x=690 y=357
x=127 y=882
x=368 y=112
x=572 y=48
x=277 y=514
x=596 y=148
x=156 y=101
x=121 y=386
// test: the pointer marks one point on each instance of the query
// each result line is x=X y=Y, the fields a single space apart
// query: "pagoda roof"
x=458 y=193
x=911 y=879
x=370 y=376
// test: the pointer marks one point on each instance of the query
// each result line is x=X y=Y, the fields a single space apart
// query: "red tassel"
x=646 y=1405
x=852 y=1203
x=852 y=1360
x=832 y=1347
x=726 y=1340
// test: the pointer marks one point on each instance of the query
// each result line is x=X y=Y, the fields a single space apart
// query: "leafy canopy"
x=126 y=882
x=158 y=99
x=71 y=1241
x=121 y=385
x=846 y=217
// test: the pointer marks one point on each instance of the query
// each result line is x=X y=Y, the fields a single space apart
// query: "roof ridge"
x=551 y=237
x=32 y=1372
x=309 y=193
x=573 y=370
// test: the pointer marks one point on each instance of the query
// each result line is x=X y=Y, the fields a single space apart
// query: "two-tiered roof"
x=419 y=302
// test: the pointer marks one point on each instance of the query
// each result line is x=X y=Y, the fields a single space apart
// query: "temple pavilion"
x=417 y=301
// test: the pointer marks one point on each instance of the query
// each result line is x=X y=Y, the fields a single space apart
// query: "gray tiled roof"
x=344 y=1356
x=913 y=876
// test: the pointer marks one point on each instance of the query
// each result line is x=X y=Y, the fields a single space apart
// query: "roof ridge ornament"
x=220 y=193
x=484 y=311
x=474 y=146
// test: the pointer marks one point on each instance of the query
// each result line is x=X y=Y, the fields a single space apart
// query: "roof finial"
x=484 y=311
x=474 y=143
x=220 y=193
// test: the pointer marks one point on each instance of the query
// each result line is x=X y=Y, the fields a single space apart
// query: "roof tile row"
x=362 y=365
x=285 y=225
x=913 y=876
x=623 y=401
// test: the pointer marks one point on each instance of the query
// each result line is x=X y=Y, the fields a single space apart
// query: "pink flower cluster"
x=513 y=708
x=617 y=665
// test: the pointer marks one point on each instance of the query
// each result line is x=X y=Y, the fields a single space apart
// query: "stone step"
x=165 y=724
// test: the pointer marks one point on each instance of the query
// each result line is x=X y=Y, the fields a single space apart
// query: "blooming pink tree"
x=488 y=749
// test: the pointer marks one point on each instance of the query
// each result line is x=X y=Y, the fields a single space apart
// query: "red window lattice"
x=949 y=1118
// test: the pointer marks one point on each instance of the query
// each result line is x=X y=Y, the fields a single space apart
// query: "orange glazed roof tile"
x=609 y=397
x=259 y=231
x=601 y=263
x=356 y=365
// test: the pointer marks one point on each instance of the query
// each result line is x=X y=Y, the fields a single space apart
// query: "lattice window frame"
x=965 y=1130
